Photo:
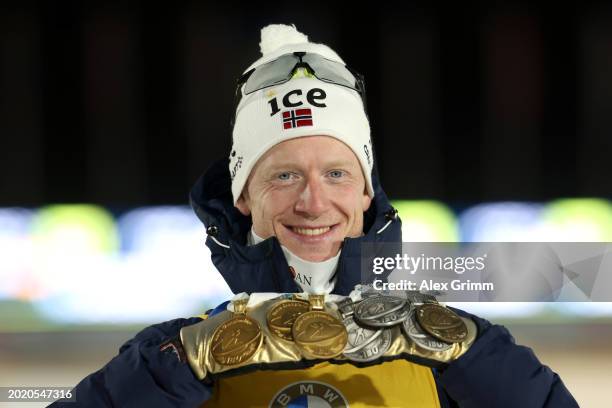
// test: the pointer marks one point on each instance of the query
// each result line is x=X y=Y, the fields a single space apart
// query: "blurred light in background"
x=578 y=220
x=79 y=264
x=70 y=242
x=500 y=222
x=15 y=252
x=426 y=221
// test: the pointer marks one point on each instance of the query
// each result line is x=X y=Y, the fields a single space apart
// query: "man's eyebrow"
x=342 y=163
x=279 y=166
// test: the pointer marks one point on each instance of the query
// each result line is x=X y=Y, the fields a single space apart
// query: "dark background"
x=126 y=104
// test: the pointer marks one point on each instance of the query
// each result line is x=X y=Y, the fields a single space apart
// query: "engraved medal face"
x=420 y=337
x=391 y=318
x=318 y=334
x=236 y=340
x=373 y=349
x=282 y=315
x=442 y=323
x=358 y=336
x=377 y=306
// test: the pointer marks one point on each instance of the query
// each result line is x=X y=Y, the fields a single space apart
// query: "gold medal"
x=238 y=339
x=317 y=333
x=441 y=322
x=282 y=315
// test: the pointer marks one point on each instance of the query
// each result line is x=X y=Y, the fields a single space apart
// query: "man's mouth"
x=311 y=232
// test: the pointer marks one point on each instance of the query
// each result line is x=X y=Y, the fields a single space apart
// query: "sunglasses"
x=283 y=68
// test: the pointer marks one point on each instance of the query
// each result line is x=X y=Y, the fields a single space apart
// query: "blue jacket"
x=495 y=372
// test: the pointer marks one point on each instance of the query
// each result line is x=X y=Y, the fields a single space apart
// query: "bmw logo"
x=311 y=394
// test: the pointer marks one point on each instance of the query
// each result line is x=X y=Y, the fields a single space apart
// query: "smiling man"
x=288 y=213
x=310 y=194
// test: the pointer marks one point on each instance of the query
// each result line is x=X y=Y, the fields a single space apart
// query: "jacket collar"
x=262 y=267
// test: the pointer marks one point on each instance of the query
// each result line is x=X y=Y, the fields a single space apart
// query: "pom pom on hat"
x=275 y=36
x=279 y=39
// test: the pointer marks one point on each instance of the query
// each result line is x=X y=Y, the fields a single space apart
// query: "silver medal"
x=377 y=306
x=358 y=336
x=387 y=320
x=373 y=349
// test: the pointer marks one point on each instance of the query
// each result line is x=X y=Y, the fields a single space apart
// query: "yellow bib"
x=397 y=383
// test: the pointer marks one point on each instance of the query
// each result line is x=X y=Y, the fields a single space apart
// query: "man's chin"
x=311 y=258
x=313 y=254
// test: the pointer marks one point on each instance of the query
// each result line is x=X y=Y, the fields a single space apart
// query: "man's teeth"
x=311 y=231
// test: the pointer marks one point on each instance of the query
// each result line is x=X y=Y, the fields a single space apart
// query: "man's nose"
x=312 y=201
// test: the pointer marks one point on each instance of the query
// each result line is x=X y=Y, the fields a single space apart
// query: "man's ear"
x=243 y=206
x=366 y=201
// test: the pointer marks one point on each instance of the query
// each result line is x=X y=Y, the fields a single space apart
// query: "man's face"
x=310 y=193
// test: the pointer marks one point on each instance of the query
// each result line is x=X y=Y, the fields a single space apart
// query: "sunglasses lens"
x=331 y=71
x=270 y=74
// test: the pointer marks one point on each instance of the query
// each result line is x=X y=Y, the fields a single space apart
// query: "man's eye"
x=284 y=176
x=336 y=173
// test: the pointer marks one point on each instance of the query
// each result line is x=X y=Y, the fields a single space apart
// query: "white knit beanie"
x=315 y=108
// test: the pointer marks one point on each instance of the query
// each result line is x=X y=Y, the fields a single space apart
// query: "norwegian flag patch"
x=296 y=118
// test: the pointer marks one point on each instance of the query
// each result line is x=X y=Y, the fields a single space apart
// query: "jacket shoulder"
x=497 y=372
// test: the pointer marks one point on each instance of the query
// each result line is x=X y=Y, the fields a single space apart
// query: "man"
x=288 y=214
